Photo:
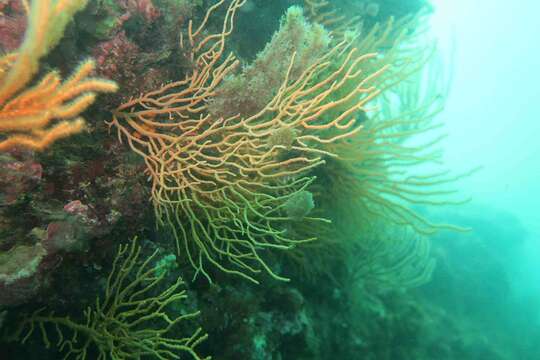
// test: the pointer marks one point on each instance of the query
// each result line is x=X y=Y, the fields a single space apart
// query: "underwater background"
x=269 y=179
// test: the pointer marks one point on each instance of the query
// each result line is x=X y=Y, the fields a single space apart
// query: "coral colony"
x=243 y=172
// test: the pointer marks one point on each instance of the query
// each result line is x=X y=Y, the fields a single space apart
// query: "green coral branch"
x=130 y=322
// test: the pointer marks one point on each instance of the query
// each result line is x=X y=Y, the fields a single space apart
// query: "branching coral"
x=376 y=175
x=322 y=12
x=222 y=183
x=383 y=174
x=391 y=259
x=265 y=75
x=411 y=90
x=26 y=114
x=130 y=322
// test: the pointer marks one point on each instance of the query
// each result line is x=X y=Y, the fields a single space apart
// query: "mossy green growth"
x=102 y=19
x=20 y=262
x=299 y=205
x=260 y=346
x=165 y=265
x=177 y=11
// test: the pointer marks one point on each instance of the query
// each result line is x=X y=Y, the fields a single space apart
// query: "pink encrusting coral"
x=25 y=270
x=144 y=8
x=122 y=60
x=119 y=59
x=18 y=176
x=12 y=25
x=81 y=224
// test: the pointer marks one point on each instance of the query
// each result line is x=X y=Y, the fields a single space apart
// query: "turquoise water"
x=491 y=119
